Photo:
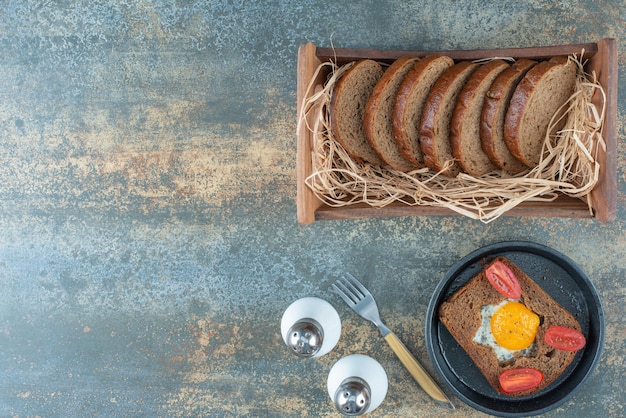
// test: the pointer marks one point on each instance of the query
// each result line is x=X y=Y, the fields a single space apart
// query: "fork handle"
x=417 y=371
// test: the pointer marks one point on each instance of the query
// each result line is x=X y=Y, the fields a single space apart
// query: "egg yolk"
x=514 y=326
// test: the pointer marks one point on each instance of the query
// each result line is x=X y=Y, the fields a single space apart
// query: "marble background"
x=148 y=233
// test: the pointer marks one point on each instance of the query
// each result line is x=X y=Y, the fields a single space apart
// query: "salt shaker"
x=310 y=327
x=357 y=384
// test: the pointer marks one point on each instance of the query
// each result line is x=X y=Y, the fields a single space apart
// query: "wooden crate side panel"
x=307 y=202
x=604 y=194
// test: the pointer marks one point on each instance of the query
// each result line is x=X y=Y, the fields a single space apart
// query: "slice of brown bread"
x=542 y=91
x=461 y=315
x=465 y=122
x=378 y=116
x=407 y=110
x=347 y=107
x=435 y=122
x=494 y=110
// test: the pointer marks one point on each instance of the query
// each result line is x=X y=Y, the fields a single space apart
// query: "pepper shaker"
x=310 y=327
x=357 y=384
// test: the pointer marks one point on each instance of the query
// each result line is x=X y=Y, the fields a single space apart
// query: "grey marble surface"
x=148 y=235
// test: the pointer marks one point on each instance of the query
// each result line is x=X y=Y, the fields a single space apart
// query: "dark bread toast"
x=378 y=116
x=461 y=315
x=436 y=115
x=347 y=107
x=537 y=97
x=407 y=109
x=465 y=123
x=493 y=113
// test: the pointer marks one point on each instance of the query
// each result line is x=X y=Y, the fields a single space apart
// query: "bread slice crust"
x=538 y=96
x=436 y=116
x=461 y=315
x=347 y=107
x=378 y=116
x=493 y=113
x=407 y=110
x=465 y=124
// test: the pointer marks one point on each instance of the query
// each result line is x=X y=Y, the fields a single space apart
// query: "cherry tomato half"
x=563 y=338
x=517 y=380
x=503 y=280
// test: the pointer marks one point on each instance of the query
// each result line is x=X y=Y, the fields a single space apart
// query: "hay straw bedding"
x=568 y=167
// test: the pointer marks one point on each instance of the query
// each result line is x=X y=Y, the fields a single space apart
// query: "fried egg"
x=509 y=328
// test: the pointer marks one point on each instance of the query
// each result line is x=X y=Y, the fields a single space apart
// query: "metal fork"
x=362 y=302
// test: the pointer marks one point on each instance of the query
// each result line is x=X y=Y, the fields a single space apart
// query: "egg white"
x=484 y=335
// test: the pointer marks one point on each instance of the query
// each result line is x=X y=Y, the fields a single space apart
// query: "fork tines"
x=349 y=289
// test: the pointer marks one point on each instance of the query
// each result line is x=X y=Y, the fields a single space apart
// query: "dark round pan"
x=562 y=279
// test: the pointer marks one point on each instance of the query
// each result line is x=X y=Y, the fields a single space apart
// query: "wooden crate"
x=601 y=58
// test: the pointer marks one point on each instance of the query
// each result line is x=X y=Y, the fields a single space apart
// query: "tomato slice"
x=564 y=338
x=503 y=280
x=517 y=380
